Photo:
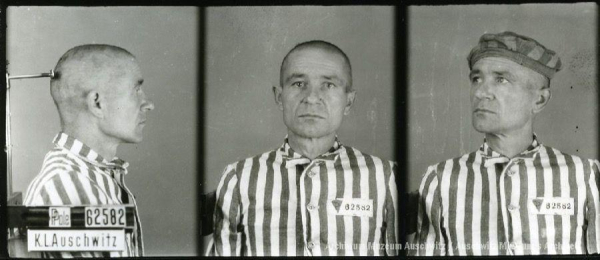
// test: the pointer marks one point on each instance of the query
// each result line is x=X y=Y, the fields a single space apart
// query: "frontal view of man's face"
x=313 y=96
x=502 y=95
x=126 y=103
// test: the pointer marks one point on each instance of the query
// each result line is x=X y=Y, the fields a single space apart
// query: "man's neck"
x=94 y=139
x=510 y=144
x=311 y=147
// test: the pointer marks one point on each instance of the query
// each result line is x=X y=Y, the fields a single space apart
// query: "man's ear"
x=543 y=97
x=349 y=101
x=277 y=94
x=95 y=103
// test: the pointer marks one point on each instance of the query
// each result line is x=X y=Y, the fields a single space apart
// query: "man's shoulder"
x=58 y=162
x=357 y=153
x=55 y=177
x=557 y=155
x=269 y=157
x=453 y=161
x=374 y=164
x=57 y=167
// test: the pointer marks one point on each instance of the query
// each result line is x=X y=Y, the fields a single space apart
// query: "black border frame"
x=401 y=20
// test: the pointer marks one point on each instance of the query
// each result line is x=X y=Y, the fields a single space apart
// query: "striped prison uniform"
x=75 y=175
x=283 y=203
x=542 y=201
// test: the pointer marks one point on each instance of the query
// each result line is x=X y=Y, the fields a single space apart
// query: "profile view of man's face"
x=314 y=95
x=126 y=102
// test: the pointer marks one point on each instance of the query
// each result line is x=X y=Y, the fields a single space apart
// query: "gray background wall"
x=439 y=108
x=163 y=173
x=244 y=50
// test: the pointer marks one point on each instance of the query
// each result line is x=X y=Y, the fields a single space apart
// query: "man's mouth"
x=483 y=110
x=311 y=116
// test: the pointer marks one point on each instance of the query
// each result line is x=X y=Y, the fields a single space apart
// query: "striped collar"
x=492 y=157
x=291 y=157
x=86 y=153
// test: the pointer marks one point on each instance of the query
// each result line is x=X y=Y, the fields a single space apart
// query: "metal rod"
x=8 y=147
x=41 y=75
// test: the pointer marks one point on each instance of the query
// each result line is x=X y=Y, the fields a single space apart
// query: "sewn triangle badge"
x=537 y=203
x=336 y=204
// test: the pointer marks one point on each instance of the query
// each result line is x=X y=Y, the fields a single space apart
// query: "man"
x=513 y=196
x=97 y=90
x=313 y=195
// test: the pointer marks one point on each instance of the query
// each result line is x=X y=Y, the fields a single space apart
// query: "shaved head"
x=320 y=45
x=83 y=69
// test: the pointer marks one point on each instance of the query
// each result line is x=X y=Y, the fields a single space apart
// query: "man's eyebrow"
x=504 y=73
x=332 y=77
x=497 y=73
x=294 y=75
x=473 y=72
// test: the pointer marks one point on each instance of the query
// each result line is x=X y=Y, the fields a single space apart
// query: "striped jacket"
x=542 y=201
x=73 y=174
x=282 y=203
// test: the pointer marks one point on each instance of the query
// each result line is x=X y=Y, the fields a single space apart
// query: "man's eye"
x=330 y=85
x=501 y=80
x=298 y=84
x=475 y=80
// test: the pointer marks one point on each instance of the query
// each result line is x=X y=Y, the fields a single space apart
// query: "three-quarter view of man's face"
x=126 y=102
x=314 y=94
x=502 y=97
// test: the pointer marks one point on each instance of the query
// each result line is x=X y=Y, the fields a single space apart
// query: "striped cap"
x=518 y=48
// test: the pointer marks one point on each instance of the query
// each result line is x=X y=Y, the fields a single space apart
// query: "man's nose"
x=313 y=94
x=482 y=91
x=147 y=105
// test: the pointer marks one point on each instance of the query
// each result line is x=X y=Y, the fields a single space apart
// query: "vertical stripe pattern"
x=75 y=175
x=484 y=203
x=282 y=203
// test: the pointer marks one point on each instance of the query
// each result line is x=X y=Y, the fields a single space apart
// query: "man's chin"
x=482 y=128
x=310 y=133
x=132 y=140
